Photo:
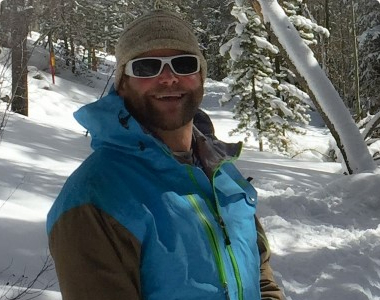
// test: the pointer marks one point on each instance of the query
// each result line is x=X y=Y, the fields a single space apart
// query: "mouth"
x=169 y=97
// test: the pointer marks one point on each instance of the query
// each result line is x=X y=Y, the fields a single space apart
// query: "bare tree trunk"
x=258 y=118
x=19 y=59
x=94 y=60
x=325 y=41
x=357 y=104
x=67 y=51
x=72 y=51
x=327 y=15
x=342 y=65
x=89 y=58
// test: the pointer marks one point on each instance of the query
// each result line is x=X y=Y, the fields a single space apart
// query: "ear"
x=122 y=88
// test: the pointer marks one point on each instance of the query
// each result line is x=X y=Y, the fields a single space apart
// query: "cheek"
x=192 y=81
x=141 y=85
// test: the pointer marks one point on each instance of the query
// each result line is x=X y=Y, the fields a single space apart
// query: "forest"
x=237 y=42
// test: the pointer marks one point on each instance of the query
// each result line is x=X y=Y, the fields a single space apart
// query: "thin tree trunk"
x=258 y=119
x=357 y=105
x=67 y=51
x=325 y=41
x=64 y=33
x=342 y=69
x=19 y=61
x=89 y=58
x=72 y=54
x=94 y=60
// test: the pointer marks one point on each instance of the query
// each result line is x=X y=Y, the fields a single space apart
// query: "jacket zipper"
x=212 y=237
x=228 y=243
x=214 y=244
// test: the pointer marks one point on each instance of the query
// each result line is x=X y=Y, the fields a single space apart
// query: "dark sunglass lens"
x=146 y=67
x=185 y=64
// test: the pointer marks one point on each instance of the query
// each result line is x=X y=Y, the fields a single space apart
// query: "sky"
x=323 y=226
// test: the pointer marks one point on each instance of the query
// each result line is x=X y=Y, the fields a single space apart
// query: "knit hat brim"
x=156 y=30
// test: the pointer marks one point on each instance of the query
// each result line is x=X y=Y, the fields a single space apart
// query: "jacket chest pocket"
x=235 y=196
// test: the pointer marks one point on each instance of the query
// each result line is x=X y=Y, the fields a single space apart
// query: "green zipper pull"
x=227 y=240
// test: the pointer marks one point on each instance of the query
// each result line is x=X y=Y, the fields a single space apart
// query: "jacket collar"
x=213 y=152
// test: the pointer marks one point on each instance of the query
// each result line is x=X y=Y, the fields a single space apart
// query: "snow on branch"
x=371 y=125
x=353 y=147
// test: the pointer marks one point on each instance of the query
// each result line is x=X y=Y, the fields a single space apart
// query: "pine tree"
x=269 y=104
x=253 y=80
x=210 y=20
x=368 y=20
x=308 y=29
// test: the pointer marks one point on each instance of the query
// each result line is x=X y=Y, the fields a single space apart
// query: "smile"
x=173 y=96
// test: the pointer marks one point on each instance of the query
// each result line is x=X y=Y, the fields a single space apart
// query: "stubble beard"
x=145 y=110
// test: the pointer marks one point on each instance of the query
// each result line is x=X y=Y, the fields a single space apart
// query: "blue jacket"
x=193 y=235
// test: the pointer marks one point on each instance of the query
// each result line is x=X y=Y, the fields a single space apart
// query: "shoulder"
x=99 y=181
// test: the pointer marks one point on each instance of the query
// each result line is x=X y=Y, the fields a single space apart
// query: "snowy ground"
x=323 y=227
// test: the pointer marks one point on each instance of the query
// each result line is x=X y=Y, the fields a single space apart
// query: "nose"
x=167 y=76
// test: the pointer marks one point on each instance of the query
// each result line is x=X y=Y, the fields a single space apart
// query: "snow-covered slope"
x=323 y=227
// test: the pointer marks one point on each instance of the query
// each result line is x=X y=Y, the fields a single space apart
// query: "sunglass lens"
x=146 y=67
x=185 y=65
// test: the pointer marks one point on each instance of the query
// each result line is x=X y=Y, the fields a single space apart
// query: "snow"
x=328 y=98
x=323 y=227
x=375 y=120
x=233 y=46
x=239 y=14
x=263 y=43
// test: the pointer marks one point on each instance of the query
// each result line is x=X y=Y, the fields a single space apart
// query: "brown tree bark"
x=357 y=104
x=19 y=33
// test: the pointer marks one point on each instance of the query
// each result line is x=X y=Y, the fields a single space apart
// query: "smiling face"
x=166 y=102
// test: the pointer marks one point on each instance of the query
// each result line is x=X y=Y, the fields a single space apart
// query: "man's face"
x=167 y=101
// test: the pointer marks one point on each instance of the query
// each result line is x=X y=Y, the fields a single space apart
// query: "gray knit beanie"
x=158 y=29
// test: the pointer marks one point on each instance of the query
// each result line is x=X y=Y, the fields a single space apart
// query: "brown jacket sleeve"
x=99 y=270
x=268 y=286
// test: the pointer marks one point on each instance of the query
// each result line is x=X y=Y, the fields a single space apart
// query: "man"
x=157 y=211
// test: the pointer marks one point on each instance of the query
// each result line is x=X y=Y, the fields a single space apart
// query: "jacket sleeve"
x=95 y=257
x=268 y=287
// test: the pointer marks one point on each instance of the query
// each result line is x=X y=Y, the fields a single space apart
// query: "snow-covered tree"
x=368 y=22
x=269 y=104
x=349 y=140
x=210 y=20
x=251 y=75
x=308 y=29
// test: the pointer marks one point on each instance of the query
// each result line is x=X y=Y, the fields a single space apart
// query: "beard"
x=164 y=114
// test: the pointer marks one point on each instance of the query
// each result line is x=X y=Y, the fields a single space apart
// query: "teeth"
x=166 y=96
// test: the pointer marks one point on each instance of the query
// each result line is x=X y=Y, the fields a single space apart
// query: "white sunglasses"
x=149 y=67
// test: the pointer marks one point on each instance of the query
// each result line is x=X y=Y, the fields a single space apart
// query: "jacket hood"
x=110 y=124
